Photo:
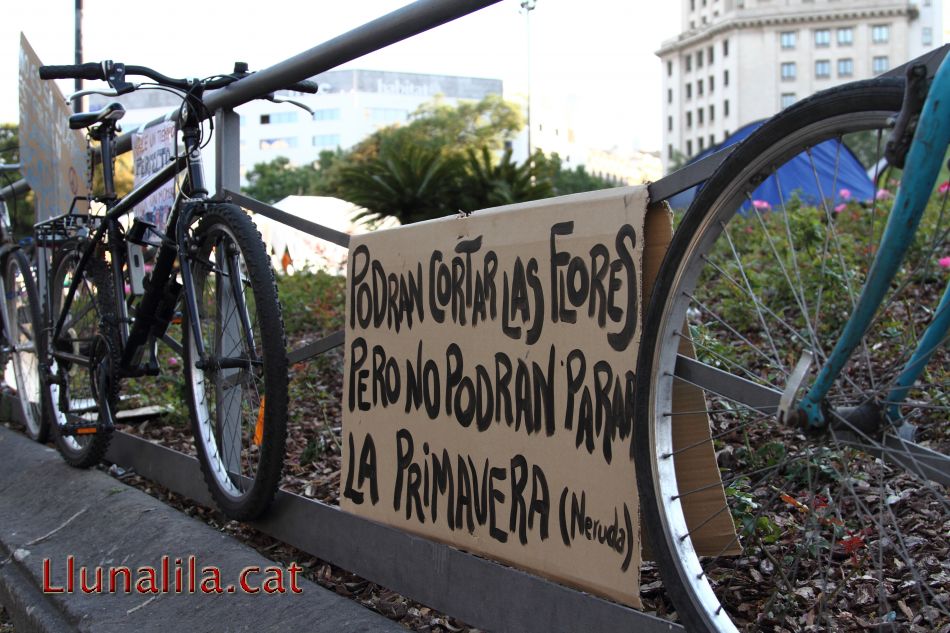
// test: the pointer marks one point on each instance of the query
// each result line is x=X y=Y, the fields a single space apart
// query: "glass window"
x=712 y=113
x=845 y=67
x=789 y=71
x=725 y=78
x=689 y=148
x=788 y=98
x=845 y=36
x=669 y=95
x=709 y=54
x=700 y=113
x=880 y=33
x=702 y=146
x=788 y=39
x=725 y=48
x=329 y=141
x=822 y=37
x=669 y=124
x=712 y=140
x=689 y=91
x=689 y=63
x=927 y=36
x=725 y=110
x=278 y=143
x=327 y=114
x=822 y=68
x=699 y=58
x=880 y=64
x=712 y=84
x=669 y=69
x=699 y=87
x=669 y=151
x=689 y=119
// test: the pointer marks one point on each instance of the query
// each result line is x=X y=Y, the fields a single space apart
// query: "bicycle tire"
x=803 y=528
x=25 y=339
x=90 y=330
x=238 y=414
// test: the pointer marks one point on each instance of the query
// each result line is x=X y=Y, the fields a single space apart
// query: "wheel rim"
x=228 y=403
x=804 y=530
x=23 y=358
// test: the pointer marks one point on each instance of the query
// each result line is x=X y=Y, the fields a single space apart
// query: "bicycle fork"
x=924 y=159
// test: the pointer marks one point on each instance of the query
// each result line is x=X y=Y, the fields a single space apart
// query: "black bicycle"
x=107 y=315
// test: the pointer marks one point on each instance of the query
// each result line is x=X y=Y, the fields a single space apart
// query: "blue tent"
x=836 y=166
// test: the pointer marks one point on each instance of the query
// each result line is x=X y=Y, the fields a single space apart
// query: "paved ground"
x=51 y=512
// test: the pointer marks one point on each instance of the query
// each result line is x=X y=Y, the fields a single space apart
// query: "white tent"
x=292 y=250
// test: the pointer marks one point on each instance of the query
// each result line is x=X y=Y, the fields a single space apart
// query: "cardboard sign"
x=489 y=381
x=152 y=149
x=54 y=159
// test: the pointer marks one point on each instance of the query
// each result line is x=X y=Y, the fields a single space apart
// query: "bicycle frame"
x=920 y=173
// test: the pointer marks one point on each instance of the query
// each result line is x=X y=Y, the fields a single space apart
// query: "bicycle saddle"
x=112 y=112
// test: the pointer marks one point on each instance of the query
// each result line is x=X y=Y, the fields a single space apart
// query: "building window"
x=788 y=71
x=326 y=141
x=699 y=114
x=788 y=39
x=725 y=78
x=880 y=64
x=699 y=58
x=725 y=110
x=669 y=69
x=699 y=87
x=689 y=91
x=712 y=84
x=822 y=37
x=725 y=48
x=725 y=134
x=689 y=148
x=689 y=63
x=845 y=67
x=692 y=5
x=265 y=119
x=385 y=115
x=927 y=36
x=669 y=151
x=669 y=124
x=278 y=143
x=327 y=114
x=701 y=144
x=689 y=120
x=788 y=98
x=845 y=36
x=709 y=54
x=822 y=69
x=712 y=140
x=669 y=95
x=880 y=33
x=712 y=113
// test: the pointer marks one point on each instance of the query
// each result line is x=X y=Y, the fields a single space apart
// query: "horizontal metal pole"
x=18 y=188
x=688 y=176
x=401 y=24
x=317 y=230
x=306 y=352
x=478 y=591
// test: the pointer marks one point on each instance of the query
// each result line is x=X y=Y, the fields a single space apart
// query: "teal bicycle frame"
x=922 y=167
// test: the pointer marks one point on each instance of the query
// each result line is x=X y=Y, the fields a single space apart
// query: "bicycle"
x=106 y=315
x=802 y=344
x=20 y=319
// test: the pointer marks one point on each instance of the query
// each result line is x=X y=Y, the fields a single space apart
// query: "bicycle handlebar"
x=115 y=73
x=73 y=71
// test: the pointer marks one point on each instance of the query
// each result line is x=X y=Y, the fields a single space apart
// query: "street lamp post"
x=528 y=6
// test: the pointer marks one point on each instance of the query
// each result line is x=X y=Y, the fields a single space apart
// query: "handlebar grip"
x=73 y=71
x=305 y=86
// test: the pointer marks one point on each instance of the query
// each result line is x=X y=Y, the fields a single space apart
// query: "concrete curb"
x=49 y=511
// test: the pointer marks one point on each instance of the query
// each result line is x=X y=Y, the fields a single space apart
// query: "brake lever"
x=105 y=92
x=299 y=104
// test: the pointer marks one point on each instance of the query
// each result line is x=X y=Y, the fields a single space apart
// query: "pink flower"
x=761 y=204
x=944 y=187
x=845 y=194
x=841 y=207
x=882 y=194
x=173 y=361
x=944 y=262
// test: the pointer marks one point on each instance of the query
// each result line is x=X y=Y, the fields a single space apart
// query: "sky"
x=595 y=55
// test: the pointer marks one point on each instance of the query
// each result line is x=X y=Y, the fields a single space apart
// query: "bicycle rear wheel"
x=83 y=390
x=25 y=329
x=828 y=535
x=238 y=387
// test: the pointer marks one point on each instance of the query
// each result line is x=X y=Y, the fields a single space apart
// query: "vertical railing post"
x=227 y=150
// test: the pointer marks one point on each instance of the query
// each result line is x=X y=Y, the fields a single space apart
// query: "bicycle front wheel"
x=236 y=372
x=765 y=268
x=23 y=337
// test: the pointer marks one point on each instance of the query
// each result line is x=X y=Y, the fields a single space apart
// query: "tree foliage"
x=273 y=181
x=21 y=209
